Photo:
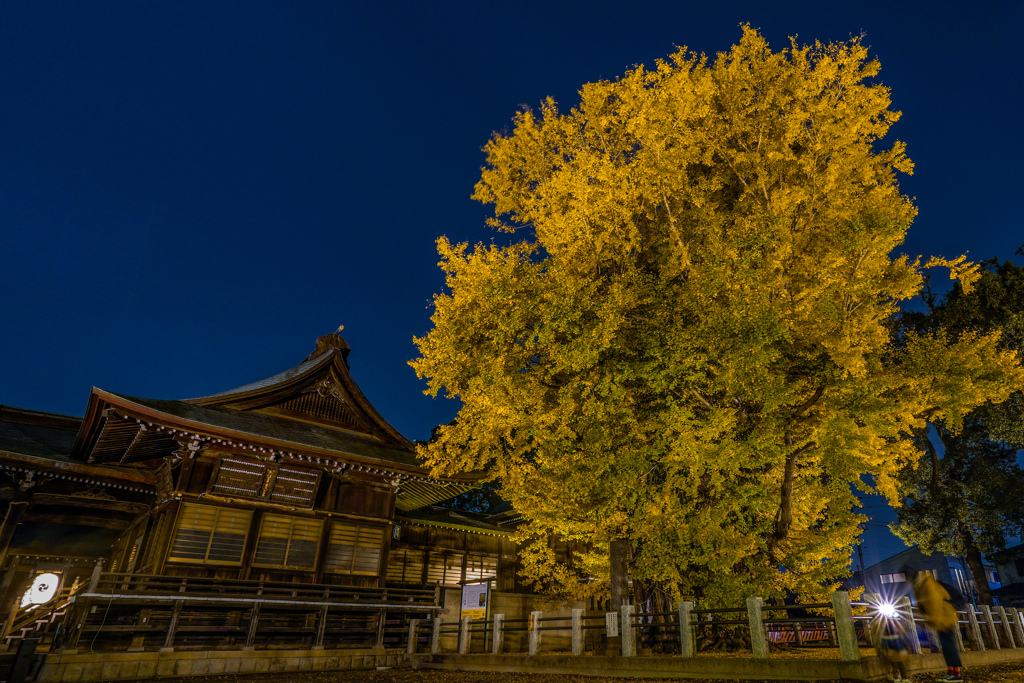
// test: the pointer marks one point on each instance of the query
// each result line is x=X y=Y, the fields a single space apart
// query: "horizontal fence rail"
x=841 y=624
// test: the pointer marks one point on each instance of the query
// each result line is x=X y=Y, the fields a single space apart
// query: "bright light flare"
x=887 y=610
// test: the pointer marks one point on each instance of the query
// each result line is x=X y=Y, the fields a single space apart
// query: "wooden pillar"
x=254 y=619
x=94 y=579
x=172 y=628
x=321 y=627
x=381 y=621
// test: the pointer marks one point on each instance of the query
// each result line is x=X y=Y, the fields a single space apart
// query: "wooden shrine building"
x=290 y=486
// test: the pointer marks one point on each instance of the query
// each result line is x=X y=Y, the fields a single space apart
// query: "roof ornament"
x=326 y=343
x=325 y=387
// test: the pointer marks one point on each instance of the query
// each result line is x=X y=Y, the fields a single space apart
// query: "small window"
x=354 y=549
x=405 y=566
x=210 y=535
x=240 y=477
x=481 y=567
x=243 y=477
x=294 y=485
x=444 y=568
x=288 y=542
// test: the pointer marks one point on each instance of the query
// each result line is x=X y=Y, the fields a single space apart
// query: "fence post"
x=905 y=612
x=499 y=634
x=873 y=600
x=958 y=635
x=410 y=647
x=974 y=630
x=991 y=626
x=535 y=632
x=1018 y=615
x=577 y=632
x=464 y=635
x=846 y=632
x=758 y=641
x=435 y=637
x=1006 y=626
x=686 y=628
x=628 y=630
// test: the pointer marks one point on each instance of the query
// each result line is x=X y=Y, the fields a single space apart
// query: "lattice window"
x=210 y=535
x=405 y=566
x=294 y=485
x=445 y=568
x=481 y=567
x=240 y=477
x=288 y=542
x=354 y=549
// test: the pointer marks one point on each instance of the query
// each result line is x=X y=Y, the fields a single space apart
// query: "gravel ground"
x=999 y=673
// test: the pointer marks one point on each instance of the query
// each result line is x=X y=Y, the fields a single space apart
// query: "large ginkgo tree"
x=682 y=364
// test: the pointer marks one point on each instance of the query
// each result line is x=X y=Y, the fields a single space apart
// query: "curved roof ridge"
x=300 y=369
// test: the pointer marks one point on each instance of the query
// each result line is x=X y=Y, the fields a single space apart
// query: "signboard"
x=474 y=600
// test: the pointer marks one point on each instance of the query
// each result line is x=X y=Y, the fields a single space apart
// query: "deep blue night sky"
x=192 y=192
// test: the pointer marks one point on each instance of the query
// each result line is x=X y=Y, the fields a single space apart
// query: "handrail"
x=122 y=576
x=143 y=585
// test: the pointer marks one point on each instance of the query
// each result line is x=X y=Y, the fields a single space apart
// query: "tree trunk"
x=618 y=554
x=977 y=568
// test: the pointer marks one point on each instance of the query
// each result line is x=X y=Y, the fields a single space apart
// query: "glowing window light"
x=42 y=590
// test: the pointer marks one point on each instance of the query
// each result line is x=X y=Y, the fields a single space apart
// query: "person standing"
x=935 y=604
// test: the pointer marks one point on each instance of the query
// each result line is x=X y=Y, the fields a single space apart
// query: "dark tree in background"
x=963 y=498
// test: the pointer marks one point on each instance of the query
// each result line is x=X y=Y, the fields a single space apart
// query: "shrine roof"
x=279 y=378
x=263 y=428
x=44 y=435
x=446 y=518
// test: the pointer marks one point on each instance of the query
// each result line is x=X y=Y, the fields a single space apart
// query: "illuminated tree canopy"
x=688 y=347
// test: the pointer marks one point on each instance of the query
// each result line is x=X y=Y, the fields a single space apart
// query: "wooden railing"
x=139 y=612
x=151 y=587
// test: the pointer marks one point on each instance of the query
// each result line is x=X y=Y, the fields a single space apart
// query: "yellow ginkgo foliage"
x=688 y=350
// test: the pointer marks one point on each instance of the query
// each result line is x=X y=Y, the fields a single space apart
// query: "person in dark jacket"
x=934 y=602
